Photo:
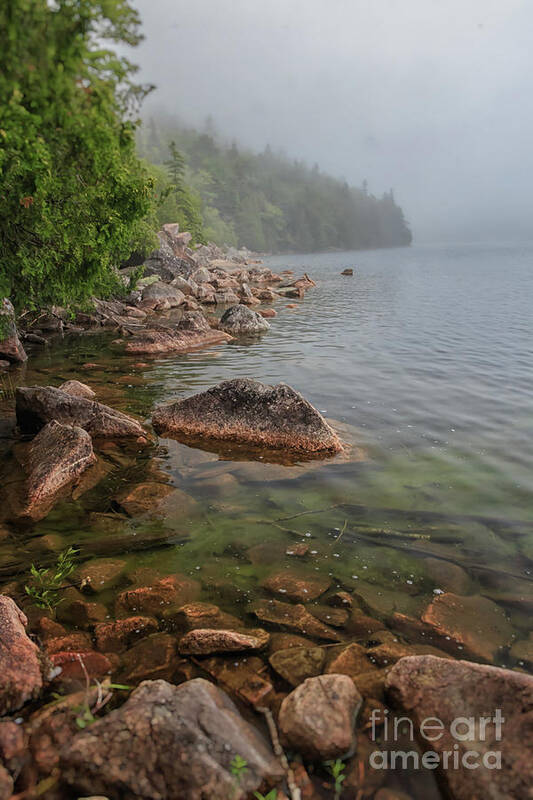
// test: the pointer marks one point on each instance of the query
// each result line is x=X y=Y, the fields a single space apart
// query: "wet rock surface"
x=246 y=411
x=36 y=406
x=426 y=686
x=57 y=457
x=206 y=641
x=298 y=586
x=317 y=719
x=20 y=669
x=474 y=622
x=77 y=389
x=181 y=741
x=296 y=664
x=294 y=618
x=241 y=320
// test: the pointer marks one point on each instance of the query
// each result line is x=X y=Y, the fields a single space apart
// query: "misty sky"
x=431 y=97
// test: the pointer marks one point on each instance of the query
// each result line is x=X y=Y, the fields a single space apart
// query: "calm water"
x=423 y=359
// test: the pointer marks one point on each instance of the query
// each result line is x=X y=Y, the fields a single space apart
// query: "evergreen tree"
x=74 y=195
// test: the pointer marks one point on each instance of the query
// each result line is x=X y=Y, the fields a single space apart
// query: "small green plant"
x=46 y=583
x=85 y=717
x=336 y=770
x=272 y=795
x=238 y=767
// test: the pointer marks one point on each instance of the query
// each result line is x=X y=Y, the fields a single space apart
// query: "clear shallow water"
x=424 y=360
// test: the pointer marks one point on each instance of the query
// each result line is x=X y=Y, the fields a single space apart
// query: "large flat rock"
x=248 y=412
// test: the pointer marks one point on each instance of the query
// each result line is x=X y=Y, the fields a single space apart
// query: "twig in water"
x=294 y=791
x=343 y=529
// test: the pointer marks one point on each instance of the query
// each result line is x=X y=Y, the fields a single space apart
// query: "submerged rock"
x=296 y=664
x=425 y=687
x=78 y=389
x=11 y=348
x=152 y=658
x=297 y=586
x=294 y=618
x=113 y=637
x=58 y=455
x=317 y=719
x=181 y=741
x=249 y=412
x=19 y=659
x=38 y=405
x=475 y=623
x=243 y=320
x=244 y=677
x=206 y=641
x=173 y=590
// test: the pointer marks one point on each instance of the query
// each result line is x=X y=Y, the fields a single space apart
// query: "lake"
x=422 y=360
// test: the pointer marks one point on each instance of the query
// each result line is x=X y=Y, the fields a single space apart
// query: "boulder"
x=478 y=696
x=347 y=271
x=206 y=641
x=11 y=348
x=225 y=297
x=163 y=291
x=58 y=455
x=243 y=320
x=183 y=285
x=249 y=412
x=201 y=275
x=38 y=405
x=19 y=659
x=77 y=389
x=181 y=741
x=317 y=719
x=169 y=260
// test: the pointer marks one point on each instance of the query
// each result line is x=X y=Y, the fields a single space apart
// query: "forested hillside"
x=266 y=201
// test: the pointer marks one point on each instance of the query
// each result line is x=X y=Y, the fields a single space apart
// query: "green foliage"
x=272 y=795
x=177 y=202
x=269 y=203
x=46 y=583
x=238 y=767
x=74 y=196
x=336 y=770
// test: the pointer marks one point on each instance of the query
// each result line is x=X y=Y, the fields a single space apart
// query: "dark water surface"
x=424 y=360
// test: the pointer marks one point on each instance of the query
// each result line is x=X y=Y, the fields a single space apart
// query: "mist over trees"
x=267 y=202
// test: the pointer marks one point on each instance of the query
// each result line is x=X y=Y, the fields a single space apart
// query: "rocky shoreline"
x=160 y=695
x=171 y=309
